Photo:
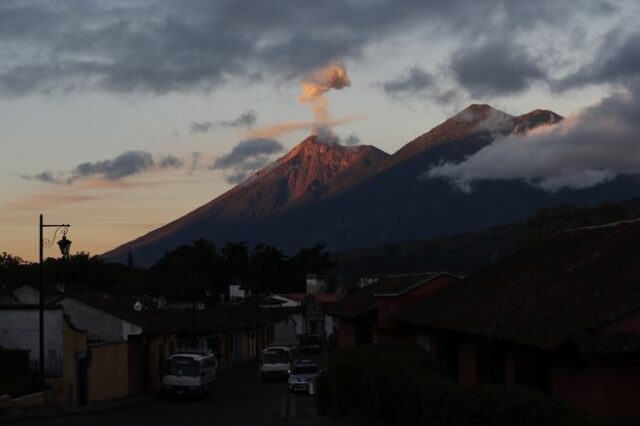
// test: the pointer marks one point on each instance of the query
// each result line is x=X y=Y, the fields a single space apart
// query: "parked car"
x=275 y=362
x=303 y=376
x=310 y=343
x=189 y=373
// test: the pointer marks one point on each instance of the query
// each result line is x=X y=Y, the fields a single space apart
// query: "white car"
x=189 y=373
x=303 y=377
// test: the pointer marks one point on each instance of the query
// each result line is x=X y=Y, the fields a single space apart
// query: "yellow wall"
x=157 y=345
x=108 y=372
x=75 y=345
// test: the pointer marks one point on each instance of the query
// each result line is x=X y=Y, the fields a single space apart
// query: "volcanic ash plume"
x=333 y=76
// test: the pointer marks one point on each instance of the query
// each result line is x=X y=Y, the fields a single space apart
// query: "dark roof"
x=545 y=293
x=327 y=298
x=188 y=321
x=150 y=321
x=296 y=297
x=225 y=317
x=364 y=300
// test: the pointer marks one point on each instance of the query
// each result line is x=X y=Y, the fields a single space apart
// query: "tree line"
x=197 y=270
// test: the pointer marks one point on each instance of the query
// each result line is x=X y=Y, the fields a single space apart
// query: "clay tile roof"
x=364 y=300
x=545 y=293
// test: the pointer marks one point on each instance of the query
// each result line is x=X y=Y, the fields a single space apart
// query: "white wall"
x=285 y=331
x=235 y=292
x=99 y=325
x=27 y=295
x=329 y=323
x=315 y=284
x=20 y=329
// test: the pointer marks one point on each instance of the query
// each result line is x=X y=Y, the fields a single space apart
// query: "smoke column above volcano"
x=333 y=76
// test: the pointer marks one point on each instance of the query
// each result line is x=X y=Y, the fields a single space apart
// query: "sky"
x=118 y=117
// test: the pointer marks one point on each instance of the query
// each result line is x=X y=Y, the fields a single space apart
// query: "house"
x=27 y=295
x=317 y=319
x=562 y=316
x=7 y=297
x=366 y=316
x=135 y=342
x=313 y=315
x=66 y=359
x=250 y=330
x=236 y=332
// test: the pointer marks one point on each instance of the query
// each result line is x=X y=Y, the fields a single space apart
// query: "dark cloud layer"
x=158 y=46
x=495 y=68
x=247 y=157
x=246 y=120
x=617 y=61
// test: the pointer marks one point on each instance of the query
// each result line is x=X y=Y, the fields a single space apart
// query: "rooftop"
x=571 y=283
x=364 y=300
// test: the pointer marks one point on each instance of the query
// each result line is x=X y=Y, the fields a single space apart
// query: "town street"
x=239 y=397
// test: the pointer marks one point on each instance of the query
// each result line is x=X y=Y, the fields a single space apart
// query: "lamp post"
x=64 y=245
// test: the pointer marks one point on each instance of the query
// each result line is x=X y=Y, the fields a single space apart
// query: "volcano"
x=348 y=197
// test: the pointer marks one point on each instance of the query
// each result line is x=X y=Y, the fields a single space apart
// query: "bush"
x=402 y=385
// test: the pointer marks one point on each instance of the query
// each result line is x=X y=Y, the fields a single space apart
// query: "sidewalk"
x=17 y=416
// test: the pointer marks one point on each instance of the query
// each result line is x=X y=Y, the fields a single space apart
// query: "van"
x=275 y=362
x=189 y=373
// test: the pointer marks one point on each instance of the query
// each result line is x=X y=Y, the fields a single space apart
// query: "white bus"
x=189 y=373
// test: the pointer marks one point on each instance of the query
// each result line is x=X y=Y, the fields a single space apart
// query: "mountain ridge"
x=354 y=196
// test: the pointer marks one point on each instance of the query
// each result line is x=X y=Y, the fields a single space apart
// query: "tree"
x=190 y=271
x=267 y=269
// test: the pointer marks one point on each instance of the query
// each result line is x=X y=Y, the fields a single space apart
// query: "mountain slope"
x=354 y=197
x=303 y=174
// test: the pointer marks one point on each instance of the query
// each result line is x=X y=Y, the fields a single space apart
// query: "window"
x=183 y=366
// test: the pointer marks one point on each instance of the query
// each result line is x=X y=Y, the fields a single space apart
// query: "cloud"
x=169 y=46
x=46 y=176
x=495 y=68
x=247 y=157
x=586 y=149
x=279 y=129
x=412 y=82
x=171 y=161
x=195 y=159
x=126 y=164
x=617 y=60
x=326 y=135
x=246 y=120
x=417 y=83
x=351 y=140
x=201 y=126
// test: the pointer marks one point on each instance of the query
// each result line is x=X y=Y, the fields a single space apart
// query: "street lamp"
x=64 y=245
